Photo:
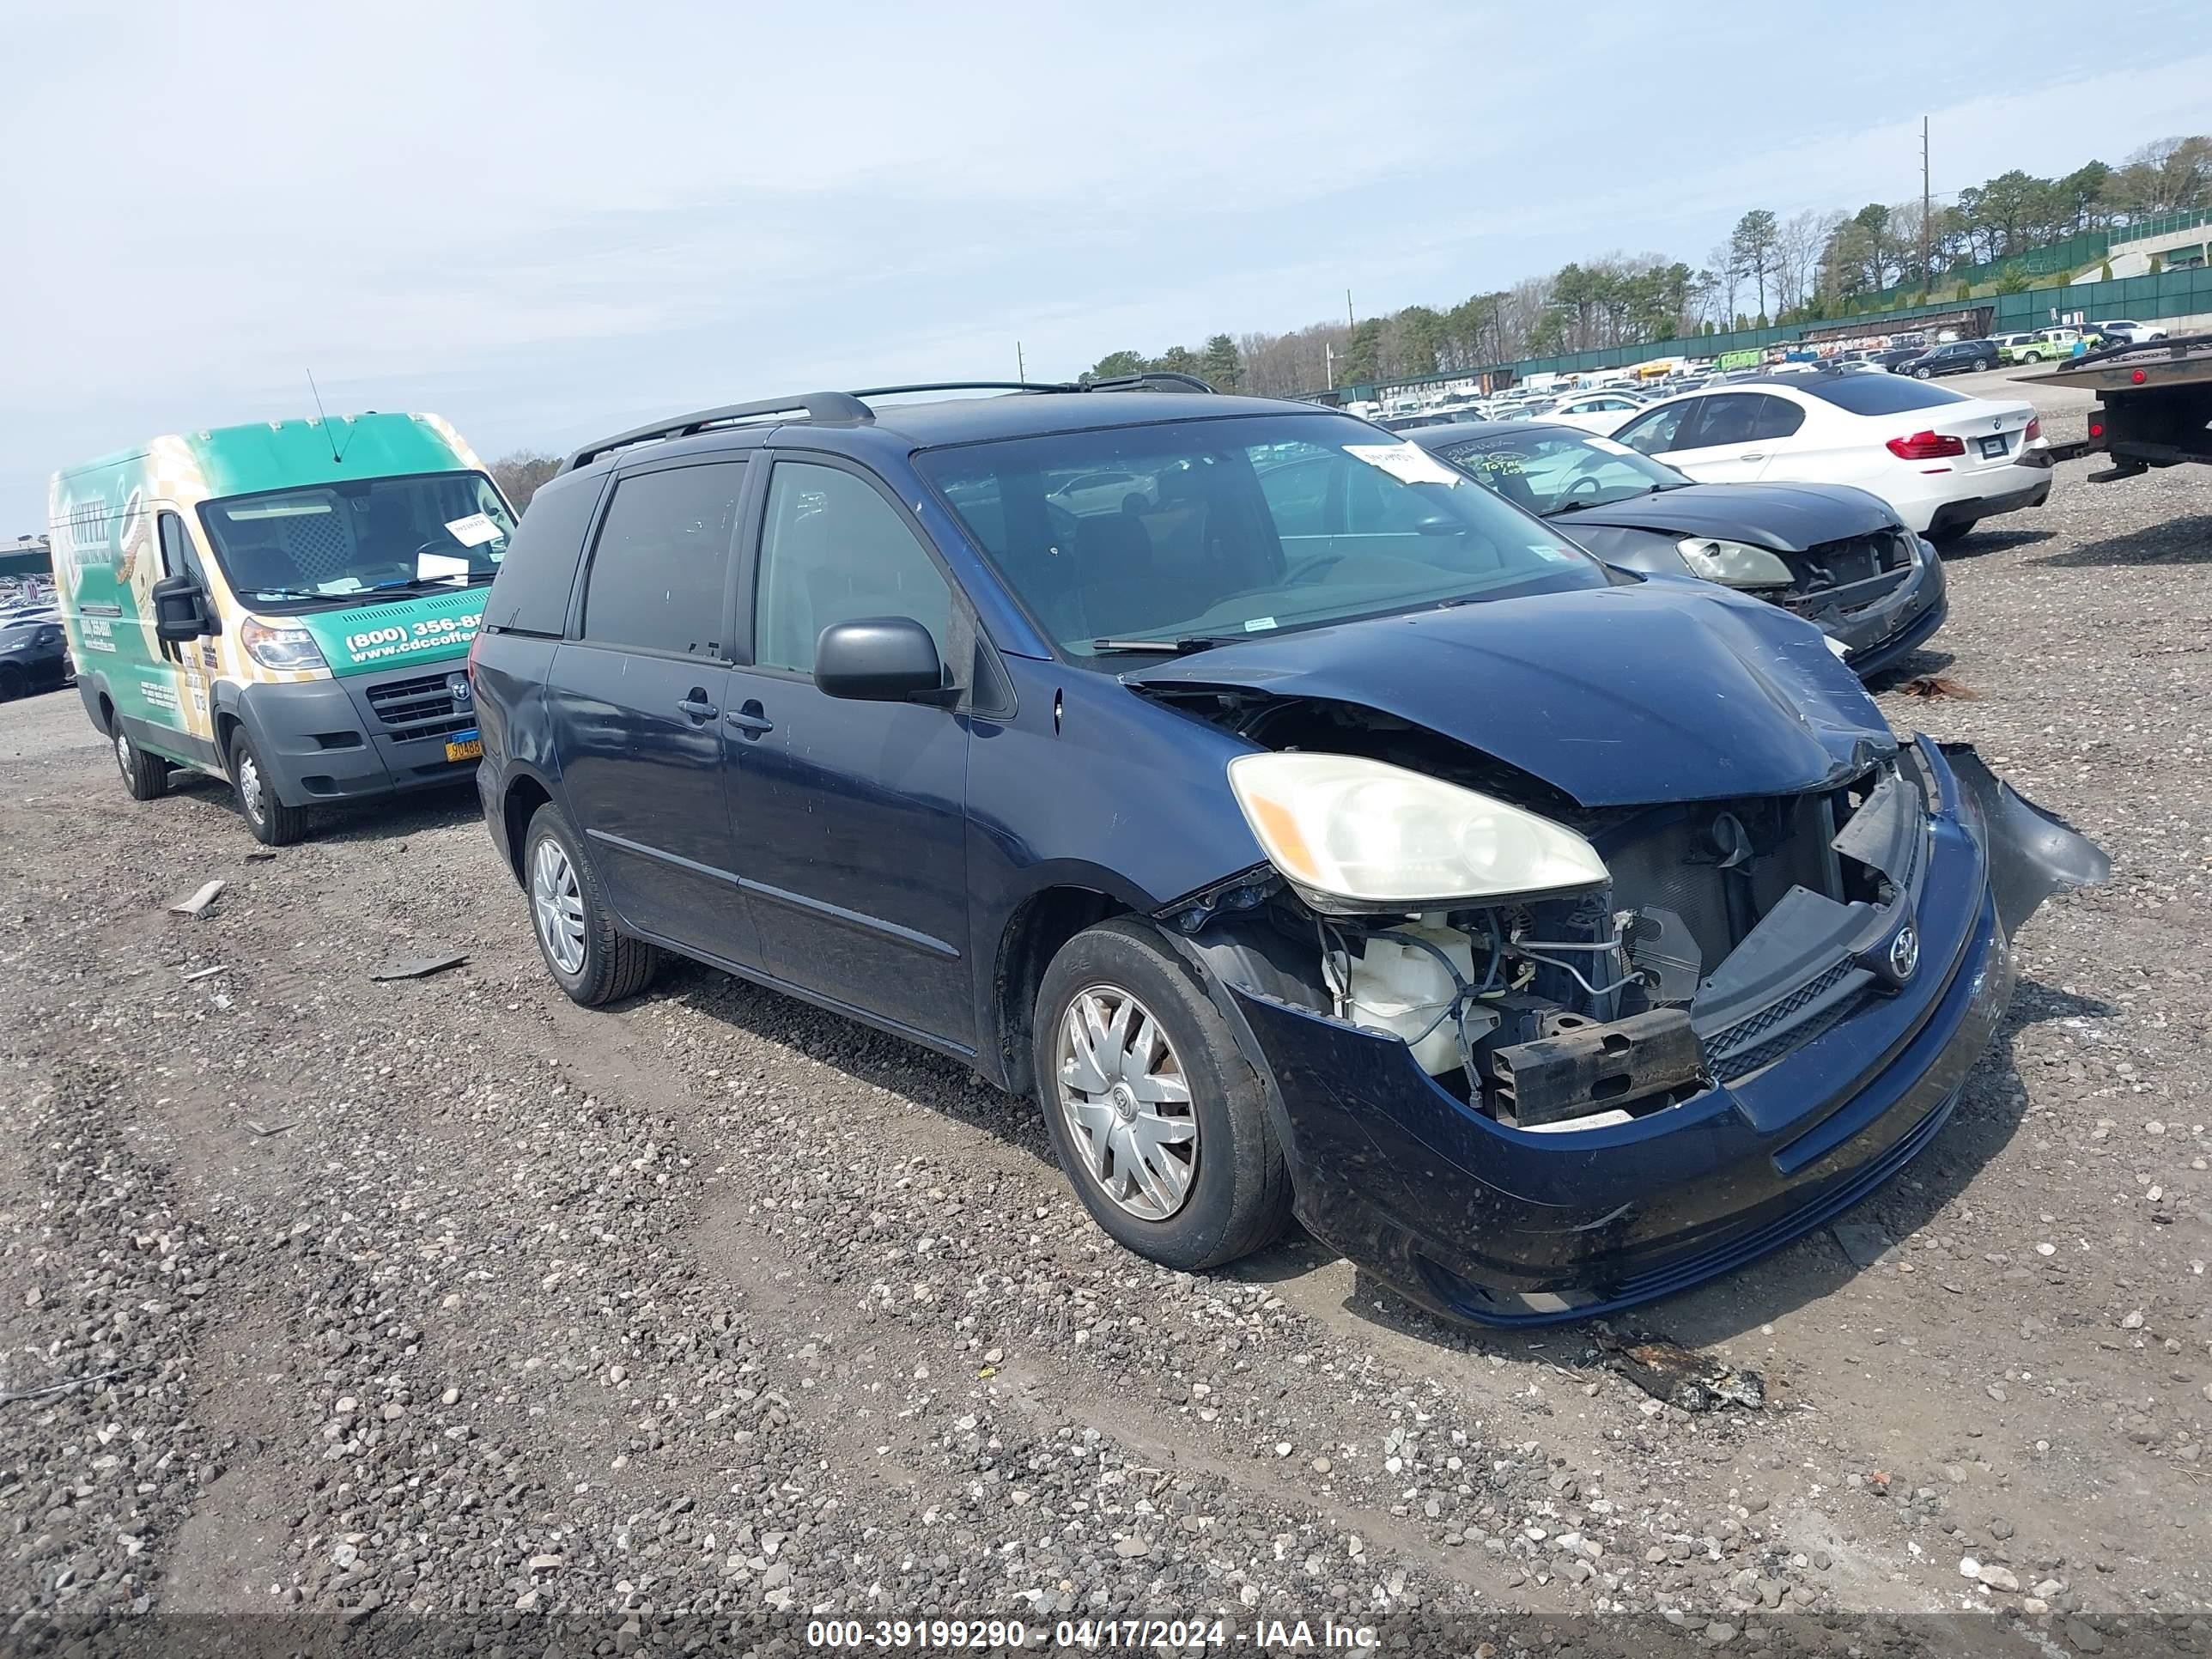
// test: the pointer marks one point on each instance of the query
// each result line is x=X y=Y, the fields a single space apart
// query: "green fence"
x=2139 y=299
x=2052 y=260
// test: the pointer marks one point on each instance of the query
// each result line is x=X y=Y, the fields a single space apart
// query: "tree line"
x=1769 y=269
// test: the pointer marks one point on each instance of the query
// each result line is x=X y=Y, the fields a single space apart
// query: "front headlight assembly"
x=280 y=645
x=1351 y=833
x=1734 y=564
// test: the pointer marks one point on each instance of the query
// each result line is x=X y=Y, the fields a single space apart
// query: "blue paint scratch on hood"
x=1652 y=691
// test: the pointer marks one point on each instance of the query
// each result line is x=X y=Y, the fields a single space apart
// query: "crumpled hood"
x=1657 y=690
x=1781 y=518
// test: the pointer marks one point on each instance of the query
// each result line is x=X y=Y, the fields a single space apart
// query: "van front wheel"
x=146 y=776
x=1159 y=1119
x=273 y=823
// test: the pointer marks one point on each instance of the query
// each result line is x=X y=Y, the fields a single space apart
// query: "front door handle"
x=751 y=720
x=1755 y=455
x=697 y=707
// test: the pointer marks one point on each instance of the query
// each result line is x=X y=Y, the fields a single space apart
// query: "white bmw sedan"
x=1600 y=411
x=1944 y=461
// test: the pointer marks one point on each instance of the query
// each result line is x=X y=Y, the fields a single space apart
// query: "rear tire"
x=146 y=777
x=590 y=958
x=1214 y=1153
x=1952 y=533
x=273 y=823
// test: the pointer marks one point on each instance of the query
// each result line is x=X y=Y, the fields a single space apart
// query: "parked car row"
x=1300 y=813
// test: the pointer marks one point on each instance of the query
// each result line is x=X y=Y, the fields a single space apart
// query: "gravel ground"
x=444 y=1295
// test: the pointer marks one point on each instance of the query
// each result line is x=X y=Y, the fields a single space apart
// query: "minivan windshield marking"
x=363 y=537
x=1214 y=528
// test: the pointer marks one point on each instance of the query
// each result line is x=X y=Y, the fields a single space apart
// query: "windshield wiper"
x=1584 y=507
x=295 y=593
x=432 y=584
x=1163 y=647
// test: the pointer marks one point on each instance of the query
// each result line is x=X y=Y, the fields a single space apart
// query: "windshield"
x=341 y=540
x=1548 y=468
x=1241 y=526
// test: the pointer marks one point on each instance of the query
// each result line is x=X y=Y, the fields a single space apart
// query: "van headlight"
x=1360 y=832
x=1734 y=564
x=280 y=646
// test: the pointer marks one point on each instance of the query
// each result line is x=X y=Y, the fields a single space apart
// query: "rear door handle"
x=751 y=720
x=1755 y=455
x=697 y=707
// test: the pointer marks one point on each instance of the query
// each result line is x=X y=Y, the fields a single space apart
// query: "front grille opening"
x=1854 y=572
x=419 y=708
x=1721 y=865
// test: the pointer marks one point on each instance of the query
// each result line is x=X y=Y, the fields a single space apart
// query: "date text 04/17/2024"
x=1262 y=1636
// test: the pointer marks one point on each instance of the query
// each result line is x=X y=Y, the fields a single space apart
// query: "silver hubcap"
x=123 y=750
x=249 y=786
x=1127 y=1102
x=557 y=906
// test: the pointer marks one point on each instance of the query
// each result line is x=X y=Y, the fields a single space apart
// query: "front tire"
x=273 y=823
x=145 y=776
x=12 y=683
x=1923 y=373
x=1158 y=1119
x=590 y=958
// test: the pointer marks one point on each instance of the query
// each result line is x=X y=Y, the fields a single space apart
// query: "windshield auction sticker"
x=1408 y=463
x=474 y=531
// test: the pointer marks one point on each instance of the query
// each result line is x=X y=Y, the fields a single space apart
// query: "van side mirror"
x=180 y=609
x=878 y=659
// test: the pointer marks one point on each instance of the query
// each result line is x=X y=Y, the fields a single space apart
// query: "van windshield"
x=1226 y=527
x=364 y=536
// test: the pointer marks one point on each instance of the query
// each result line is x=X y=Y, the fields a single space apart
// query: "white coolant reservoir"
x=1403 y=989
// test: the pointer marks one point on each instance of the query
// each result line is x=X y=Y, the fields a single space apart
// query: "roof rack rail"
x=847 y=406
x=1160 y=380
x=817 y=406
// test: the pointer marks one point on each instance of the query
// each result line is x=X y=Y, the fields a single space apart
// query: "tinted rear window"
x=1879 y=394
x=662 y=562
x=530 y=594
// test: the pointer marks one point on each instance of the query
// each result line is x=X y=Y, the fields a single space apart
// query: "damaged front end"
x=1730 y=1022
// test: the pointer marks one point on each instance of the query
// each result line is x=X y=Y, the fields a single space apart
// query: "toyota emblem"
x=1904 y=954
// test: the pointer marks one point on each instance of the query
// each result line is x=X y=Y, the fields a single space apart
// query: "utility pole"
x=1927 y=227
x=1021 y=371
x=1329 y=363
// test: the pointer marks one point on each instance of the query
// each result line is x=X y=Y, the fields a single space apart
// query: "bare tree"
x=1722 y=262
x=519 y=475
x=1797 y=244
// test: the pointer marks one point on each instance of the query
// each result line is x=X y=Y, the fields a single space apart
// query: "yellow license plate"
x=468 y=749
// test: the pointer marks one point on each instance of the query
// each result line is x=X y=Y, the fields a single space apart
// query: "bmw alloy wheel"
x=557 y=906
x=1124 y=1094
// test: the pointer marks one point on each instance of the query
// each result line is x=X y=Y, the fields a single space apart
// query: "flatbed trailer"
x=2154 y=406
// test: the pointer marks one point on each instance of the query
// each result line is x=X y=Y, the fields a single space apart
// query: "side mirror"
x=878 y=659
x=180 y=609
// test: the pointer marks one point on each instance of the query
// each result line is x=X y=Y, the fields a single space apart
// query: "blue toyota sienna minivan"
x=1309 y=830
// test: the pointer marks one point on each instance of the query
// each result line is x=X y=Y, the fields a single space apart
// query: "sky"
x=549 y=221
